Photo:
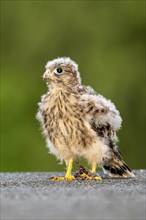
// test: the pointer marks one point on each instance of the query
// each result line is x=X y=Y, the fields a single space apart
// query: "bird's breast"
x=64 y=121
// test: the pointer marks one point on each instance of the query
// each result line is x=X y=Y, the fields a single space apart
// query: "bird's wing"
x=100 y=113
x=100 y=110
x=103 y=118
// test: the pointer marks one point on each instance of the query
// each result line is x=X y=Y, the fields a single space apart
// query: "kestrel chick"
x=78 y=122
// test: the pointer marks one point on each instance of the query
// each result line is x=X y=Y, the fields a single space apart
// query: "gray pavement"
x=35 y=196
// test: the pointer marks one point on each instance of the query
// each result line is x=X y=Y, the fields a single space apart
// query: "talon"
x=58 y=178
x=69 y=178
x=89 y=178
x=86 y=177
x=93 y=177
x=98 y=178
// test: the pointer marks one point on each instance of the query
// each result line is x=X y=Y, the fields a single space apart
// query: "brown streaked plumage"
x=77 y=122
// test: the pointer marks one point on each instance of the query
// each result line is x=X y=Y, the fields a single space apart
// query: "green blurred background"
x=106 y=39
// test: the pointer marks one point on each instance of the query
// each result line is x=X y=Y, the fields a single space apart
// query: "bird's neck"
x=71 y=88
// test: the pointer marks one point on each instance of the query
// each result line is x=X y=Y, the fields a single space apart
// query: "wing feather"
x=102 y=116
x=100 y=111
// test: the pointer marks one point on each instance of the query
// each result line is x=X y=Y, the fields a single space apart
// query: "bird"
x=77 y=122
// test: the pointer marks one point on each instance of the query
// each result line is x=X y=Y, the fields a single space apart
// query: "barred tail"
x=116 y=167
x=115 y=170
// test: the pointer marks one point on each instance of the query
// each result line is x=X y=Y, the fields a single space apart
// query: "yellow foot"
x=91 y=177
x=86 y=176
x=63 y=178
x=58 y=178
x=98 y=178
x=69 y=178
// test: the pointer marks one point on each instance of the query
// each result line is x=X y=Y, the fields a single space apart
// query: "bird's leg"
x=93 y=171
x=68 y=175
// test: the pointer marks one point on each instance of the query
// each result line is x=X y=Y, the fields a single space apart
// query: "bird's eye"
x=59 y=70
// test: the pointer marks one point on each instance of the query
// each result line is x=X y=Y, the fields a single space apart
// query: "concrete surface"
x=35 y=196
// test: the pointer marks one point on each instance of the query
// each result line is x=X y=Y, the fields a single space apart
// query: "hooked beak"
x=47 y=75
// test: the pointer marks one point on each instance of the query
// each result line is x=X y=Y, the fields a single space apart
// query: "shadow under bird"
x=78 y=122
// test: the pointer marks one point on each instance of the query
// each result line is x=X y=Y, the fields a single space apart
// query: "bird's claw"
x=85 y=174
x=97 y=178
x=57 y=178
x=87 y=177
x=69 y=178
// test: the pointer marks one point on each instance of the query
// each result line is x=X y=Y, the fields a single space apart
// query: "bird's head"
x=62 y=72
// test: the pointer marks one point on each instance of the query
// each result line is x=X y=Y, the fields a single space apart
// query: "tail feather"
x=116 y=167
